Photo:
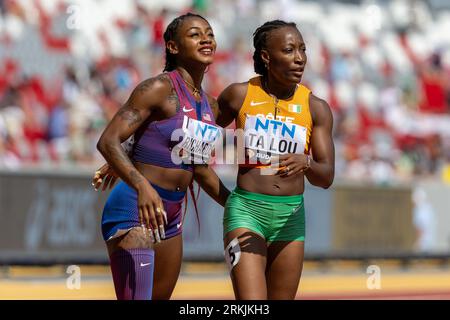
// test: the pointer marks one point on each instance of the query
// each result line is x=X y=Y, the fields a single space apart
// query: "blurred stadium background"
x=66 y=66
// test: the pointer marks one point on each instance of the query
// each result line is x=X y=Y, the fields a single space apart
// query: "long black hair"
x=171 y=34
x=260 y=42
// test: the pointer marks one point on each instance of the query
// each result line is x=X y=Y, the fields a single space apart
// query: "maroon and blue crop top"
x=155 y=145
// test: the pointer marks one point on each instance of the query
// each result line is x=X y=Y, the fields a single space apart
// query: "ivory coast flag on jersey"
x=295 y=108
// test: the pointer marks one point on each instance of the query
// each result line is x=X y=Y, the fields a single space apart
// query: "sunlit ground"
x=203 y=281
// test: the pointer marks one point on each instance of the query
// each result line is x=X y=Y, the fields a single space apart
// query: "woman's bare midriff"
x=257 y=181
x=166 y=178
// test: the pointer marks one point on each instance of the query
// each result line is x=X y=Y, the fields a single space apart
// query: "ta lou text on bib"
x=266 y=138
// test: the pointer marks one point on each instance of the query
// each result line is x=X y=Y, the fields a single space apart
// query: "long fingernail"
x=163 y=233
x=165 y=216
x=150 y=234
x=157 y=237
x=143 y=230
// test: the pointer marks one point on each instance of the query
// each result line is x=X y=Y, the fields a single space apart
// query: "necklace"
x=275 y=99
x=195 y=91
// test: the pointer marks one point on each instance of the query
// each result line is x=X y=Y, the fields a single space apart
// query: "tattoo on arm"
x=118 y=155
x=144 y=85
x=173 y=99
x=131 y=115
x=134 y=177
x=119 y=158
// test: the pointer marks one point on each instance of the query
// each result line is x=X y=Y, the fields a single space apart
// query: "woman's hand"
x=292 y=163
x=152 y=216
x=106 y=175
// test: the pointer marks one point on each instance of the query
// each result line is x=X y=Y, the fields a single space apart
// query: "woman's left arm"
x=210 y=182
x=205 y=176
x=321 y=169
x=318 y=168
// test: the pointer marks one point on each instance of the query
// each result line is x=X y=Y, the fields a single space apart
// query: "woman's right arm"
x=105 y=174
x=145 y=98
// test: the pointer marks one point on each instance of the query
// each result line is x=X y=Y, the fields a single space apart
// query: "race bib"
x=198 y=142
x=265 y=138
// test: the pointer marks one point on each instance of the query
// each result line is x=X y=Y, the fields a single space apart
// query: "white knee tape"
x=232 y=253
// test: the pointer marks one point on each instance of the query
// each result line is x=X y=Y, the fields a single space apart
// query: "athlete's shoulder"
x=235 y=92
x=233 y=96
x=320 y=109
x=317 y=102
x=152 y=92
x=158 y=84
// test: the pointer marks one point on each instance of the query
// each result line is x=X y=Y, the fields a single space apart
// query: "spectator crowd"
x=384 y=67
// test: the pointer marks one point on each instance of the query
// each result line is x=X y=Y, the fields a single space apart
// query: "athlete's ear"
x=172 y=46
x=265 y=57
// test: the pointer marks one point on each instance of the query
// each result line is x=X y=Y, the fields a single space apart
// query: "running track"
x=205 y=282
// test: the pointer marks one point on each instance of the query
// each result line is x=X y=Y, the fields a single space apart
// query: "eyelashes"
x=194 y=35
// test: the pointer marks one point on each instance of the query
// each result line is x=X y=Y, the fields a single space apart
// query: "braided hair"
x=171 y=34
x=260 y=42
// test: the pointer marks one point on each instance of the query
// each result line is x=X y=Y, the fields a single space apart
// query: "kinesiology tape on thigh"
x=232 y=253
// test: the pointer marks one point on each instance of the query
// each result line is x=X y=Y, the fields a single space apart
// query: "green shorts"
x=275 y=218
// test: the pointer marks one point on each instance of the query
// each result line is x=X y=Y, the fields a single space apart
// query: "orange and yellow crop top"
x=272 y=126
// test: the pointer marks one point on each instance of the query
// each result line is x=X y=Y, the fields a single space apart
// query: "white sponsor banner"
x=265 y=137
x=199 y=139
